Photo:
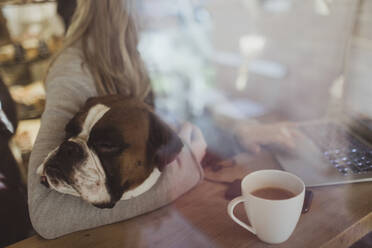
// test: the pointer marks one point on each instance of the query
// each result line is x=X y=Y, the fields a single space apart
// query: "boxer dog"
x=115 y=148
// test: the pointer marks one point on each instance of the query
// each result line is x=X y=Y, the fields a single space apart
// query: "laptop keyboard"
x=343 y=151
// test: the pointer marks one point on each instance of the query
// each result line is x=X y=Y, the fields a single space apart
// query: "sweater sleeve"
x=53 y=214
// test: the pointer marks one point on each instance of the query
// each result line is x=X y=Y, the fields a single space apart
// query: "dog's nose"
x=44 y=181
x=69 y=148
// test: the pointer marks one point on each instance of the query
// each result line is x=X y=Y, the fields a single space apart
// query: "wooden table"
x=339 y=216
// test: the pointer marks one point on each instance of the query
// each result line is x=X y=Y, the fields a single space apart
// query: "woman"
x=100 y=57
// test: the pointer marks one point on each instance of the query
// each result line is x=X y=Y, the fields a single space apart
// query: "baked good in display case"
x=30 y=100
x=28 y=50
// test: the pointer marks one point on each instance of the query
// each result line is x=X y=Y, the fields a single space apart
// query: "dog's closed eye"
x=109 y=148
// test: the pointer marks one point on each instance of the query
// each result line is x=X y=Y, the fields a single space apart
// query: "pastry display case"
x=30 y=34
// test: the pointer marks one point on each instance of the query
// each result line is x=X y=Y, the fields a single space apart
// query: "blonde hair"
x=109 y=40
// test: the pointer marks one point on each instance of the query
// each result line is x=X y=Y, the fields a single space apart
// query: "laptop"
x=330 y=152
x=338 y=150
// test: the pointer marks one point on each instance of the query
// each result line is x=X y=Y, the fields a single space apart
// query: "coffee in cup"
x=273 y=201
x=273 y=193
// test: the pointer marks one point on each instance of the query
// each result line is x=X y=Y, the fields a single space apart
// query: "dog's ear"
x=163 y=144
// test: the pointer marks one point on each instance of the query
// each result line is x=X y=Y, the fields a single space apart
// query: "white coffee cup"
x=273 y=221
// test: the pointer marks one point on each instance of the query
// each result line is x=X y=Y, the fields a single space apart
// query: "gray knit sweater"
x=69 y=85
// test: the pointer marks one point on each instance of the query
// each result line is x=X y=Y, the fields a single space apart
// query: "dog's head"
x=115 y=148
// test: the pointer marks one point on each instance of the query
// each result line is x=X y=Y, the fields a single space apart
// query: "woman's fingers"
x=252 y=136
x=195 y=139
x=186 y=131
x=198 y=143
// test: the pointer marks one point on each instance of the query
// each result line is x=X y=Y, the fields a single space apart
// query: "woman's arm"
x=54 y=214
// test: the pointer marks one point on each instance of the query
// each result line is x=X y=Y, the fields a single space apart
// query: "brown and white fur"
x=115 y=148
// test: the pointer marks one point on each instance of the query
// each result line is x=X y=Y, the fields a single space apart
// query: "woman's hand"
x=253 y=136
x=192 y=135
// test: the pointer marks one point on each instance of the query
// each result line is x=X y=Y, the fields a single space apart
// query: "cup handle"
x=230 y=211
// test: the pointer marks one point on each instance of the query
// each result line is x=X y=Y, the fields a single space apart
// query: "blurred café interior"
x=214 y=63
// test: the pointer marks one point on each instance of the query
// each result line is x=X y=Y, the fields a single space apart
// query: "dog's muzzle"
x=61 y=164
x=74 y=169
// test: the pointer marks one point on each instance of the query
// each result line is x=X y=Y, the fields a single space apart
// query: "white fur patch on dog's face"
x=90 y=179
x=93 y=116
